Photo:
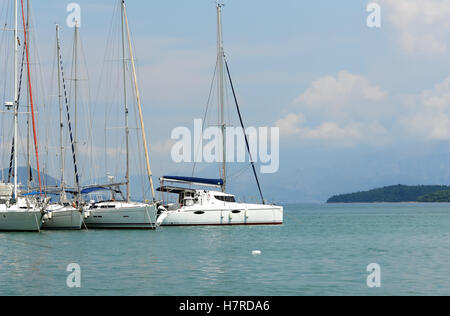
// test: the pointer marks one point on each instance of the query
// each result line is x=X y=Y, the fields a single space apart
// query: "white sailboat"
x=63 y=215
x=19 y=213
x=124 y=214
x=198 y=207
x=214 y=207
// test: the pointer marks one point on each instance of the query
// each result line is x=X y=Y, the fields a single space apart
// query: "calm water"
x=321 y=250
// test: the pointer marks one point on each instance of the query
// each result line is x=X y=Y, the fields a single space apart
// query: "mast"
x=76 y=89
x=61 y=125
x=69 y=125
x=29 y=178
x=31 y=97
x=15 y=94
x=138 y=97
x=127 y=130
x=220 y=82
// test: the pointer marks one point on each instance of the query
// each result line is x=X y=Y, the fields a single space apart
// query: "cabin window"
x=199 y=213
x=229 y=199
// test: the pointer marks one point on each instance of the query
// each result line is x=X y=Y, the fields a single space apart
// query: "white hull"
x=122 y=216
x=264 y=215
x=18 y=221
x=64 y=218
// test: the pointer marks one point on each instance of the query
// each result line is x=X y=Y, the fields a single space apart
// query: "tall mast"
x=76 y=88
x=69 y=125
x=61 y=125
x=138 y=97
x=15 y=95
x=127 y=130
x=36 y=148
x=220 y=82
x=28 y=110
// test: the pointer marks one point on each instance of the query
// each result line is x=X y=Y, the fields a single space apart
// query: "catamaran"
x=214 y=206
x=124 y=214
x=20 y=213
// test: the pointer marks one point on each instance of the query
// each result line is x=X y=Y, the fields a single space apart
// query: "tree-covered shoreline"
x=397 y=194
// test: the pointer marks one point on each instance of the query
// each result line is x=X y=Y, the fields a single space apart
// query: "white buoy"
x=256 y=252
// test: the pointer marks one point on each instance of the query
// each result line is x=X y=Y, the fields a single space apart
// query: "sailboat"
x=17 y=212
x=124 y=214
x=213 y=206
x=65 y=215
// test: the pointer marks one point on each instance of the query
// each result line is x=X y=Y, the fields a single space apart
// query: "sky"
x=357 y=107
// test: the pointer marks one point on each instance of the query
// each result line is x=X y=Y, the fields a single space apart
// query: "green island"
x=397 y=194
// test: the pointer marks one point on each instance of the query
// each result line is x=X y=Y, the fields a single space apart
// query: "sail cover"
x=199 y=181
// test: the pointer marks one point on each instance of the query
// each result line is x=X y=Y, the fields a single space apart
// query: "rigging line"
x=77 y=179
x=13 y=145
x=104 y=85
x=29 y=171
x=243 y=127
x=7 y=57
x=140 y=163
x=88 y=108
x=144 y=137
x=145 y=189
x=9 y=136
x=41 y=80
x=31 y=102
x=206 y=114
x=11 y=160
x=240 y=172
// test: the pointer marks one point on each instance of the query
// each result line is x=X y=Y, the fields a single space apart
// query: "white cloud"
x=289 y=125
x=339 y=90
x=344 y=97
x=427 y=115
x=331 y=130
x=293 y=125
x=344 y=108
x=423 y=25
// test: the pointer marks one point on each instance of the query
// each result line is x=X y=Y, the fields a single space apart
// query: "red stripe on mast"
x=31 y=100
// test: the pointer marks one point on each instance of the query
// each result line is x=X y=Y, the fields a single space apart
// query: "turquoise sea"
x=321 y=250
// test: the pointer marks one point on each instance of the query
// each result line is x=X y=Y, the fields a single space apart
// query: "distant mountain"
x=23 y=177
x=397 y=194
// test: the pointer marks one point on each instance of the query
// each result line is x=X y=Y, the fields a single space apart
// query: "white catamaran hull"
x=20 y=221
x=261 y=216
x=64 y=219
x=135 y=217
